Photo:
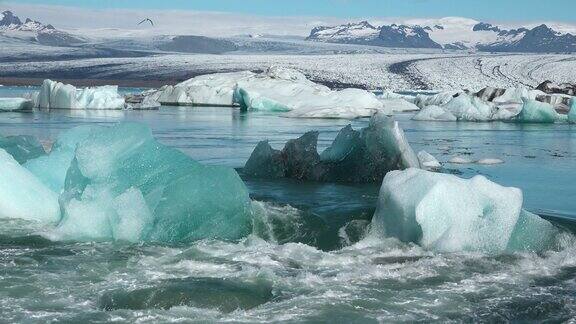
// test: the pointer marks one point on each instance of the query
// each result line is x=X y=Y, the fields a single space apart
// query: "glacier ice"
x=56 y=95
x=277 y=89
x=434 y=113
x=23 y=196
x=537 y=112
x=15 y=104
x=470 y=108
x=51 y=169
x=124 y=185
x=399 y=105
x=428 y=161
x=445 y=213
x=354 y=156
x=439 y=99
x=22 y=147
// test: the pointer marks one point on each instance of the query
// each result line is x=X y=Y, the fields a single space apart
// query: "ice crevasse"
x=121 y=184
x=56 y=95
x=446 y=213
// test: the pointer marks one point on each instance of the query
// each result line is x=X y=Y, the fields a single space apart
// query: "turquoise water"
x=303 y=267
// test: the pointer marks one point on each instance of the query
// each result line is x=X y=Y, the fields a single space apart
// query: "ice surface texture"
x=22 y=147
x=537 y=112
x=15 y=104
x=445 y=213
x=572 y=113
x=354 y=156
x=56 y=95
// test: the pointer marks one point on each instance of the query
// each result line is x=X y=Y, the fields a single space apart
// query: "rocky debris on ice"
x=512 y=97
x=23 y=196
x=56 y=95
x=354 y=156
x=445 y=213
x=16 y=104
x=550 y=87
x=277 y=89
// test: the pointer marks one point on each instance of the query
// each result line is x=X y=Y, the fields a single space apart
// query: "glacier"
x=16 y=104
x=354 y=156
x=278 y=89
x=124 y=185
x=23 y=196
x=57 y=95
x=446 y=213
x=22 y=147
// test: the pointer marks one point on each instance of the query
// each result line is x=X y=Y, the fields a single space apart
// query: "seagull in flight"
x=146 y=20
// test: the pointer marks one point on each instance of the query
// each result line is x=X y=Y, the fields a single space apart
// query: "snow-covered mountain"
x=449 y=33
x=12 y=27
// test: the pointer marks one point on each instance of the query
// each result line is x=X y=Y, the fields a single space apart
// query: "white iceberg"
x=439 y=99
x=428 y=161
x=399 y=105
x=56 y=95
x=470 y=108
x=434 y=113
x=278 y=89
x=490 y=161
x=15 y=104
x=537 y=112
x=516 y=94
x=23 y=196
x=445 y=213
x=460 y=160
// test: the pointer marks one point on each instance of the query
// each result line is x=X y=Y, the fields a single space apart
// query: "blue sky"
x=493 y=10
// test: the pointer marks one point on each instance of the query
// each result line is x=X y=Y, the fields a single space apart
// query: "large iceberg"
x=15 y=104
x=439 y=99
x=22 y=147
x=124 y=185
x=470 y=108
x=537 y=112
x=354 y=156
x=445 y=213
x=56 y=95
x=23 y=196
x=278 y=89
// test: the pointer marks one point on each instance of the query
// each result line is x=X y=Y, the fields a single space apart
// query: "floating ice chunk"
x=399 y=105
x=15 y=104
x=460 y=160
x=51 y=169
x=64 y=96
x=134 y=188
x=439 y=99
x=572 y=112
x=537 y=112
x=434 y=113
x=22 y=147
x=23 y=196
x=428 y=161
x=490 y=161
x=470 y=108
x=446 y=213
x=517 y=94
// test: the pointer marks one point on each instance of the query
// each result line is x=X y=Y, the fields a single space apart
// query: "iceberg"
x=399 y=105
x=56 y=95
x=470 y=108
x=445 y=213
x=442 y=98
x=537 y=112
x=434 y=113
x=15 y=104
x=277 y=90
x=428 y=161
x=124 y=185
x=51 y=169
x=23 y=196
x=22 y=147
x=354 y=156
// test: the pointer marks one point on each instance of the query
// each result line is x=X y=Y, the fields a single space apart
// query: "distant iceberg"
x=15 y=104
x=537 y=112
x=572 y=113
x=278 y=89
x=56 y=95
x=445 y=213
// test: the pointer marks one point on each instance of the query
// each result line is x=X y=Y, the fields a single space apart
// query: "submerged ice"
x=445 y=213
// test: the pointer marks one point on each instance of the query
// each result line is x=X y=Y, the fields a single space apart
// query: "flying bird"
x=146 y=20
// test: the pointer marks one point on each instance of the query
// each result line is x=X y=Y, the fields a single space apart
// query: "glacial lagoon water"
x=302 y=266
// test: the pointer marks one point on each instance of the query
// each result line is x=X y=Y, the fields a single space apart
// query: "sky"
x=495 y=10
